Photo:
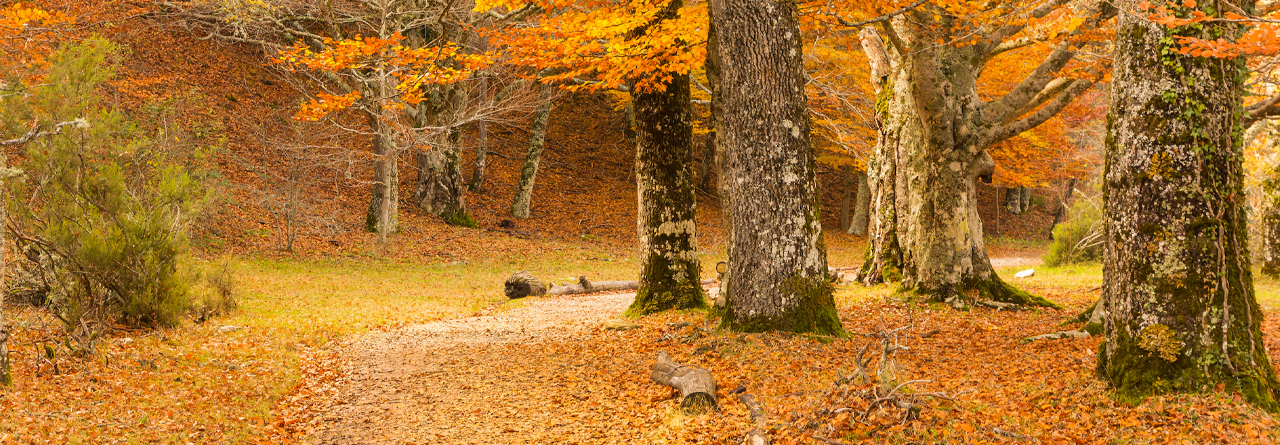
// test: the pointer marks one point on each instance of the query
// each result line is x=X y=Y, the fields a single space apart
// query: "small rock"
x=125 y=340
x=1025 y=273
x=230 y=328
x=620 y=325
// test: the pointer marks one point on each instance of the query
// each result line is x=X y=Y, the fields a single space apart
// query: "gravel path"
x=454 y=381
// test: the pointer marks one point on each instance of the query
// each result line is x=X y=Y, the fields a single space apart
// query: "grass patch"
x=210 y=383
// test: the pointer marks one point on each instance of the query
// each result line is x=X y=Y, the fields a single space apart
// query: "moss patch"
x=813 y=310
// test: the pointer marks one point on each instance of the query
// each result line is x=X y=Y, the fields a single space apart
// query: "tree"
x=647 y=49
x=777 y=276
x=402 y=65
x=1178 y=289
x=670 y=274
x=937 y=128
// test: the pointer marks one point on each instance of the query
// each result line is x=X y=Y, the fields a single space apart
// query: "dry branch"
x=524 y=284
x=757 y=434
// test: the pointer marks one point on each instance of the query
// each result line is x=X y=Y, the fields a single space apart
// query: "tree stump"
x=697 y=387
x=523 y=284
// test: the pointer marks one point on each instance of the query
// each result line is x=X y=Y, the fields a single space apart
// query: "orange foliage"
x=1262 y=40
x=412 y=68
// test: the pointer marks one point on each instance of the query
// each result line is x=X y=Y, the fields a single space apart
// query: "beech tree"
x=777 y=277
x=647 y=49
x=1178 y=289
x=936 y=130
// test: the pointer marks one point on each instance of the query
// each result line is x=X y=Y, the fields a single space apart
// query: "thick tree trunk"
x=440 y=189
x=937 y=226
x=1178 y=289
x=1025 y=203
x=861 y=207
x=697 y=386
x=528 y=174
x=724 y=190
x=666 y=217
x=778 y=264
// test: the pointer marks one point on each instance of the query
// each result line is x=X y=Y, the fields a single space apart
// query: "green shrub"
x=1079 y=239
x=104 y=206
x=215 y=292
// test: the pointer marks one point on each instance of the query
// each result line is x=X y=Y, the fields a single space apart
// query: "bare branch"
x=883 y=18
x=1267 y=108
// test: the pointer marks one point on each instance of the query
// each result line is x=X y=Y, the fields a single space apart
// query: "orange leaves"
x=1263 y=39
x=613 y=44
x=411 y=68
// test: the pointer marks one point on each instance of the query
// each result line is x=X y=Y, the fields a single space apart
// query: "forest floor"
x=361 y=350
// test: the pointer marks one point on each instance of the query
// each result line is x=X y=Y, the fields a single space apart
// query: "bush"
x=104 y=209
x=215 y=293
x=1078 y=240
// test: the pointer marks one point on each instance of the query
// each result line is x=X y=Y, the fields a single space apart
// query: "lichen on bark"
x=1181 y=310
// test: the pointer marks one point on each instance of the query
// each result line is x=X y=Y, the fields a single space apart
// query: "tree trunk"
x=666 y=219
x=1178 y=289
x=778 y=264
x=382 y=216
x=6 y=374
x=697 y=386
x=845 y=198
x=528 y=174
x=861 y=207
x=708 y=160
x=938 y=229
x=1025 y=199
x=724 y=190
x=1269 y=220
x=482 y=143
x=884 y=257
x=1013 y=200
x=440 y=188
x=1063 y=205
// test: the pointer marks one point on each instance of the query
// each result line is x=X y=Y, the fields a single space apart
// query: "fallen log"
x=697 y=387
x=524 y=284
x=757 y=434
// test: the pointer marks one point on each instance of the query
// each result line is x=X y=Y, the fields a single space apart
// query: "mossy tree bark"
x=778 y=264
x=1269 y=220
x=883 y=257
x=936 y=128
x=1178 y=290
x=382 y=216
x=440 y=189
x=861 y=206
x=670 y=274
x=482 y=142
x=529 y=174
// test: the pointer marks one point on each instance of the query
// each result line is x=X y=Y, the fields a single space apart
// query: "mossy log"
x=697 y=386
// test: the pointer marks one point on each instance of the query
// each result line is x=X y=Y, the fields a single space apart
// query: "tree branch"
x=1266 y=108
x=883 y=18
x=1039 y=117
x=1050 y=91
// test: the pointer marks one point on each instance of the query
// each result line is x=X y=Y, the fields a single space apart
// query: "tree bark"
x=708 y=160
x=1178 y=289
x=528 y=174
x=861 y=207
x=1013 y=200
x=384 y=198
x=666 y=217
x=845 y=198
x=697 y=386
x=778 y=265
x=482 y=143
x=884 y=257
x=440 y=189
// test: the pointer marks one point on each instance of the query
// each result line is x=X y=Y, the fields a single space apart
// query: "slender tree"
x=778 y=265
x=1178 y=289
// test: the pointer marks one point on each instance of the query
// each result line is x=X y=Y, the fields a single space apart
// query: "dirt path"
x=473 y=380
